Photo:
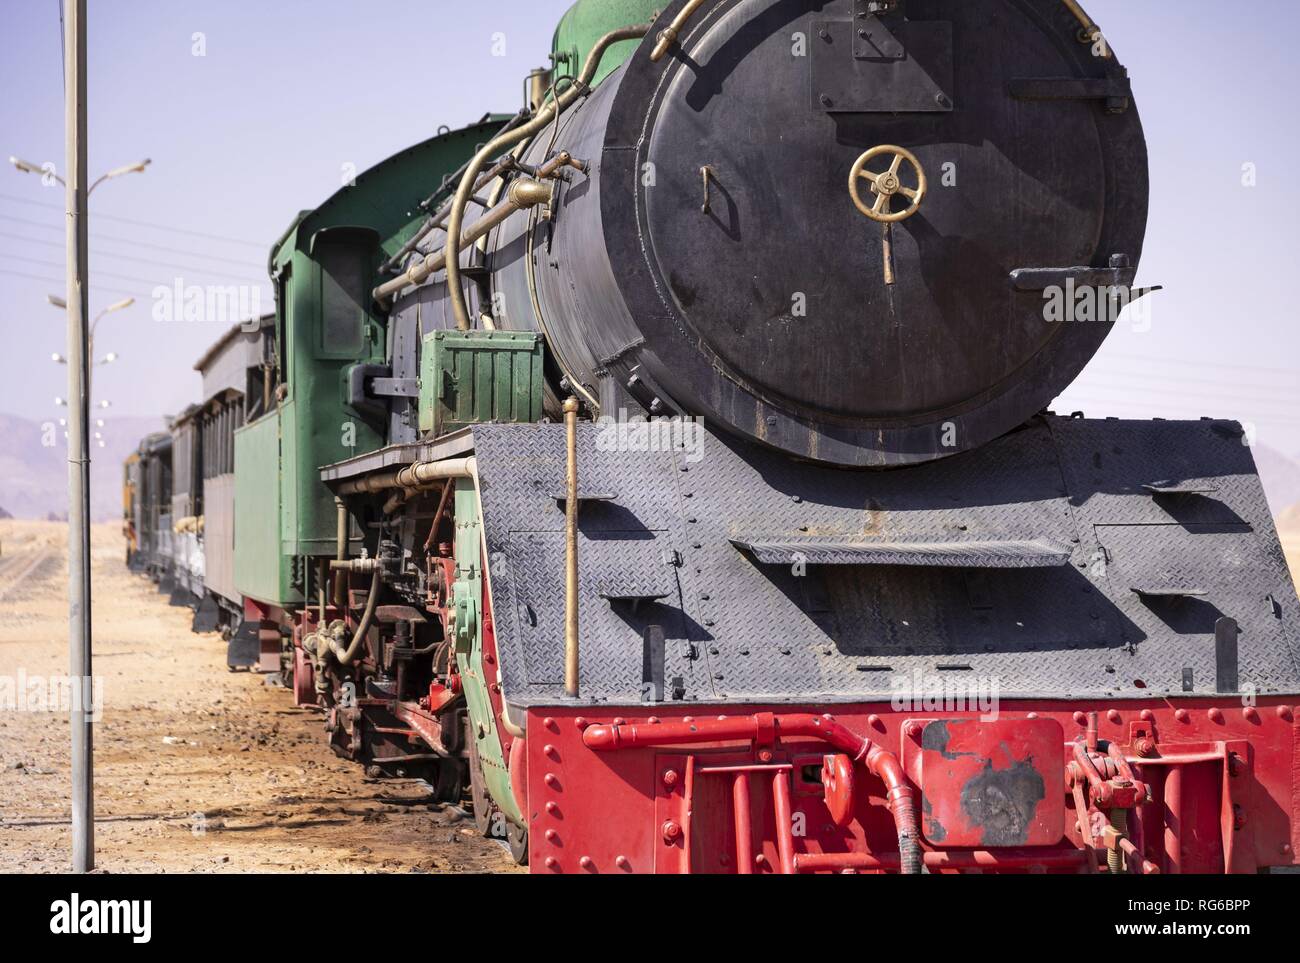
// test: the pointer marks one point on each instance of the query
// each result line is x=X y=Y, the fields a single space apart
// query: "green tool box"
x=472 y=377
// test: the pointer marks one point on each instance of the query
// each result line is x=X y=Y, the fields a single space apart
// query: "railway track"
x=18 y=569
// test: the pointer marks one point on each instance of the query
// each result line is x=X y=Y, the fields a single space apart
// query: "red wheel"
x=304 y=678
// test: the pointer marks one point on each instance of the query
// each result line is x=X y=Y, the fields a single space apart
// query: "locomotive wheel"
x=479 y=799
x=449 y=783
x=517 y=839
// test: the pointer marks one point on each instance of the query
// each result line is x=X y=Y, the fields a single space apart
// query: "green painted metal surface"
x=472 y=377
x=324 y=267
x=586 y=22
x=261 y=571
x=467 y=594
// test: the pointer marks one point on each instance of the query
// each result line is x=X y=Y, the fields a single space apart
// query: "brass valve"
x=887 y=184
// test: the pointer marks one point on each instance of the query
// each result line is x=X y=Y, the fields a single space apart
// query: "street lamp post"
x=109 y=358
x=27 y=167
x=76 y=193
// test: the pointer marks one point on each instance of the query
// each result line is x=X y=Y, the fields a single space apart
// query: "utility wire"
x=124 y=277
x=128 y=257
x=152 y=224
x=97 y=236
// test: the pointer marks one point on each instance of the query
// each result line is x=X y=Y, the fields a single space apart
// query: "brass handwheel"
x=887 y=184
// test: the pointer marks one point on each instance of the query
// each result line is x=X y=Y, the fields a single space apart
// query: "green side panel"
x=587 y=21
x=467 y=595
x=325 y=266
x=261 y=571
x=289 y=473
x=472 y=377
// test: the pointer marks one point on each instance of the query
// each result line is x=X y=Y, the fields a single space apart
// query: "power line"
x=97 y=236
x=261 y=245
x=60 y=281
x=125 y=257
x=110 y=274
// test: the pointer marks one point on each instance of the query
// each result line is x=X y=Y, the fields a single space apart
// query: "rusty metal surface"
x=991 y=783
x=737 y=629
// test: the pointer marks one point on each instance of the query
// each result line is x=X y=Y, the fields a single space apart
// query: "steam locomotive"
x=690 y=502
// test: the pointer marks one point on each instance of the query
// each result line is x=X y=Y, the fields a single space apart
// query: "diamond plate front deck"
x=848 y=622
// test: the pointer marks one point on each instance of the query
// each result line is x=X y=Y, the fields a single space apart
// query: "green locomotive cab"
x=329 y=350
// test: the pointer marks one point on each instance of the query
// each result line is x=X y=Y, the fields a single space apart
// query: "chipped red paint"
x=988 y=784
x=1223 y=793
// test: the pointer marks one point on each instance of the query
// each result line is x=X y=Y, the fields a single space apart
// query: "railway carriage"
x=689 y=499
x=186 y=510
x=148 y=503
x=237 y=373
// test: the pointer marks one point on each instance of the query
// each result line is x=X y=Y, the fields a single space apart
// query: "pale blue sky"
x=290 y=91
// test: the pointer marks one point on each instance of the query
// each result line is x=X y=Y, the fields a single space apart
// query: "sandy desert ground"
x=198 y=769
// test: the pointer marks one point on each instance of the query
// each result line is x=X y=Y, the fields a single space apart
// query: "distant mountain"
x=34 y=465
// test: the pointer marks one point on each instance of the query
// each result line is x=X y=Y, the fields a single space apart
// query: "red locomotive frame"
x=728 y=789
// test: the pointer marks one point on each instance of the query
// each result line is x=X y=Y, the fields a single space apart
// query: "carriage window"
x=342 y=271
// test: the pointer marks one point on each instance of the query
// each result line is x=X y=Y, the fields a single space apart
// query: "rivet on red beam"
x=586 y=863
x=1250 y=714
x=551 y=780
x=873 y=720
x=551 y=751
x=1215 y=714
x=1284 y=713
x=1080 y=718
x=1113 y=716
x=622 y=863
x=1148 y=715
x=1182 y=715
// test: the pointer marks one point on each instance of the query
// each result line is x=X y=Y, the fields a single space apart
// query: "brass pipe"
x=322 y=580
x=1089 y=32
x=417 y=475
x=439 y=217
x=1081 y=15
x=523 y=193
x=346 y=655
x=571 y=546
x=669 y=33
x=341 y=552
x=455 y=222
x=539 y=83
